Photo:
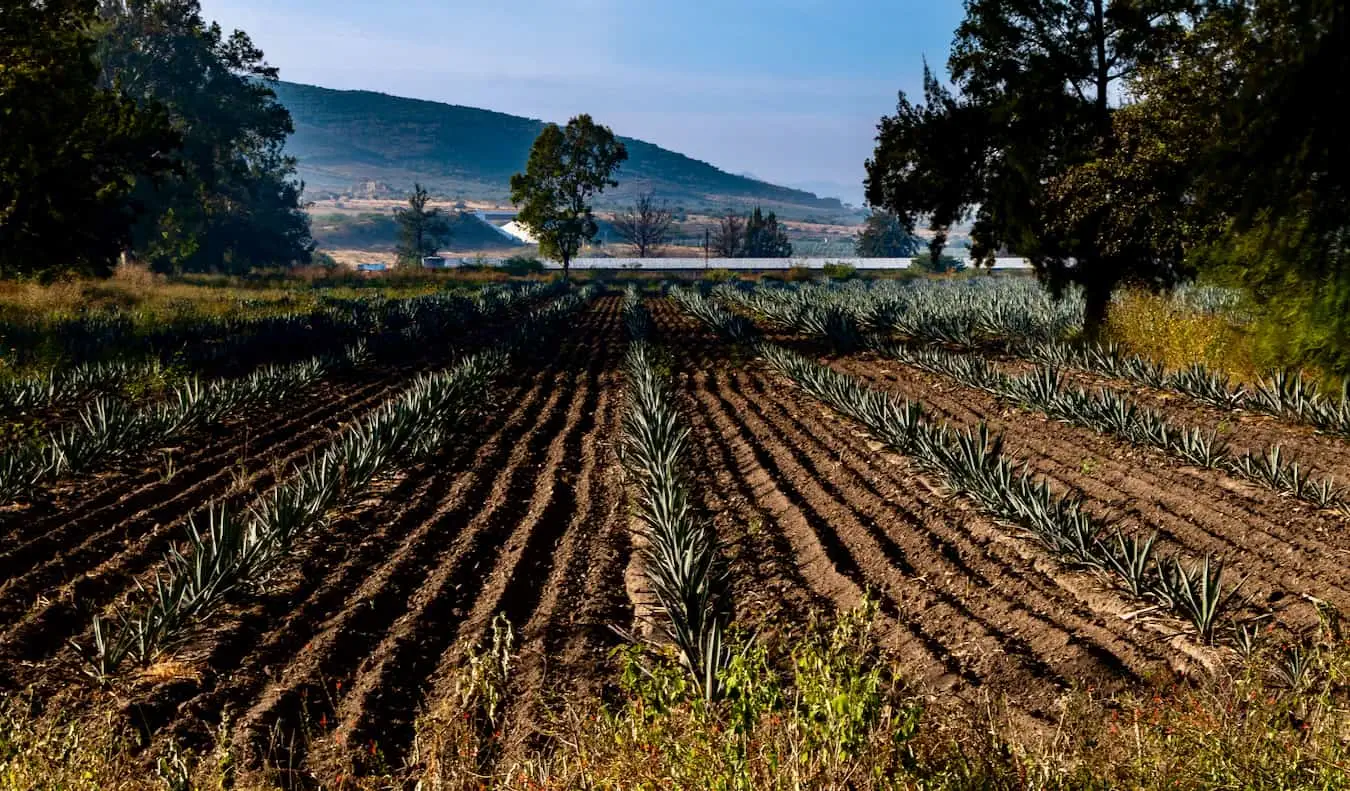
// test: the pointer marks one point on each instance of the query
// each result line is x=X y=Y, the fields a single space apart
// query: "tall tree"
x=645 y=226
x=236 y=203
x=728 y=237
x=884 y=236
x=421 y=231
x=764 y=238
x=69 y=152
x=1036 y=88
x=567 y=168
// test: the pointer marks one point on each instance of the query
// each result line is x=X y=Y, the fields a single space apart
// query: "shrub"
x=720 y=276
x=522 y=265
x=840 y=271
x=944 y=265
x=798 y=274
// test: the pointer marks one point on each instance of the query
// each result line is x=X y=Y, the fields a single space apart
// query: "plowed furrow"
x=242 y=651
x=387 y=689
x=99 y=499
x=329 y=661
x=825 y=560
x=1282 y=555
x=950 y=548
x=70 y=541
x=123 y=553
x=397 y=625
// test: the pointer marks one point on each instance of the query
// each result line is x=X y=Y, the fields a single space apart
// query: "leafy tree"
x=421 y=231
x=763 y=237
x=235 y=203
x=567 y=168
x=645 y=226
x=884 y=236
x=728 y=237
x=1035 y=84
x=69 y=152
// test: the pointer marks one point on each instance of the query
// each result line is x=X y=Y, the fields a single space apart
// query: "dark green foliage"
x=839 y=271
x=421 y=231
x=884 y=236
x=522 y=265
x=566 y=170
x=69 y=152
x=763 y=237
x=234 y=204
x=942 y=265
x=1035 y=84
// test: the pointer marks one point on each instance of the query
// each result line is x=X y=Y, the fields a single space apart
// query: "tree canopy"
x=70 y=153
x=1034 y=97
x=645 y=226
x=884 y=236
x=566 y=169
x=234 y=203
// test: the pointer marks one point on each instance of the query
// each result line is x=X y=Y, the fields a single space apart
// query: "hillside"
x=344 y=139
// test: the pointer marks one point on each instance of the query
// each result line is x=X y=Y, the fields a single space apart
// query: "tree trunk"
x=1097 y=299
x=567 y=262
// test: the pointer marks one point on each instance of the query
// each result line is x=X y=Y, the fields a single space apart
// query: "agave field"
x=300 y=556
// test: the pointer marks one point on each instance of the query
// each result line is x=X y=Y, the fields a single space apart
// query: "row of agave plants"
x=963 y=313
x=974 y=464
x=111 y=428
x=254 y=342
x=1283 y=394
x=1020 y=316
x=682 y=558
x=1108 y=412
x=239 y=550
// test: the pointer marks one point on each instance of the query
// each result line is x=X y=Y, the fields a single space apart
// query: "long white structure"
x=755 y=264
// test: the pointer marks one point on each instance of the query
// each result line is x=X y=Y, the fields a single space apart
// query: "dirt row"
x=371 y=626
x=1287 y=550
x=826 y=518
x=1244 y=431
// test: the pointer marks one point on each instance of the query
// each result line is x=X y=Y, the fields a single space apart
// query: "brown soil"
x=971 y=609
x=1285 y=548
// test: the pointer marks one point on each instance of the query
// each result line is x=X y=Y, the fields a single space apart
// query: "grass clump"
x=1170 y=332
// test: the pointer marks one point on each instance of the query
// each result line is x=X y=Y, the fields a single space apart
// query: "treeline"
x=756 y=235
x=1141 y=142
x=136 y=128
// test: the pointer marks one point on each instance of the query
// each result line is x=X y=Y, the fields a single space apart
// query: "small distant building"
x=372 y=267
x=435 y=262
x=519 y=232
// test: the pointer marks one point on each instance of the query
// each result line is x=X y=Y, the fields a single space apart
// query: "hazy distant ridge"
x=344 y=138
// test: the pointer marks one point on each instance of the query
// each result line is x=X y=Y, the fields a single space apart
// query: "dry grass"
x=1155 y=327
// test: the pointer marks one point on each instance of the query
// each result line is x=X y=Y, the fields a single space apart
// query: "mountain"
x=360 y=140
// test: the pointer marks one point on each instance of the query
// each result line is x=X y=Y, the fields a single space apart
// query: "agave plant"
x=235 y=550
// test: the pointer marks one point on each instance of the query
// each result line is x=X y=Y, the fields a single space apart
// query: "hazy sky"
x=789 y=91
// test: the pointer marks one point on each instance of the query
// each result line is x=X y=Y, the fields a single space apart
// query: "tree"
x=234 y=203
x=884 y=236
x=421 y=231
x=645 y=226
x=1035 y=84
x=763 y=237
x=728 y=237
x=69 y=152
x=566 y=169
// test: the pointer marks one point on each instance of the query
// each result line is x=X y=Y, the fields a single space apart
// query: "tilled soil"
x=370 y=623
x=970 y=608
x=1286 y=550
x=524 y=519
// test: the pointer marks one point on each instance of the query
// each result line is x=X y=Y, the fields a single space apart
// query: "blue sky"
x=789 y=91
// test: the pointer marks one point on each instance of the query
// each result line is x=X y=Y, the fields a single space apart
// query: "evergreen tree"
x=421 y=231
x=884 y=236
x=763 y=237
